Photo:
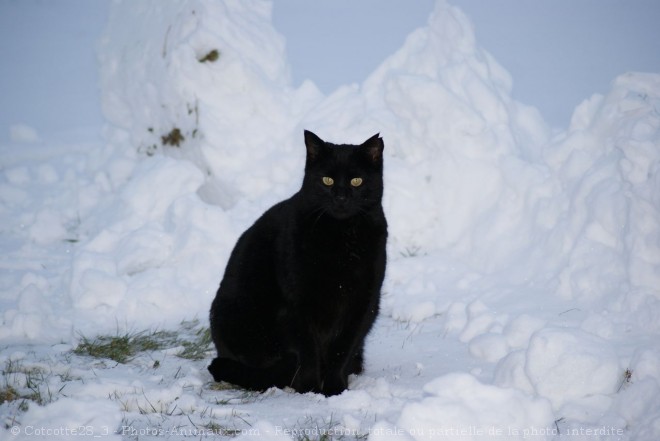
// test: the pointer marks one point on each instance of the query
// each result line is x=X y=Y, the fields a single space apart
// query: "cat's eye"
x=328 y=181
x=356 y=182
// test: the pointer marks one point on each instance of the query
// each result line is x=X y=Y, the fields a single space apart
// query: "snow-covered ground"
x=522 y=297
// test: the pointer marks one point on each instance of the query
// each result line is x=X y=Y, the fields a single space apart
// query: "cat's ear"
x=374 y=147
x=313 y=144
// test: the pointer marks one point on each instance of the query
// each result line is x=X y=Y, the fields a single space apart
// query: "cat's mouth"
x=341 y=211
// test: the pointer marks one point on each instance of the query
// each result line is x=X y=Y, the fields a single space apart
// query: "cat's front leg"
x=307 y=377
x=345 y=357
x=336 y=376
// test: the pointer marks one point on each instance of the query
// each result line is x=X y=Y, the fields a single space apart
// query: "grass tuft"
x=122 y=348
x=198 y=348
x=26 y=384
x=8 y=394
x=212 y=56
x=627 y=378
x=195 y=341
x=174 y=138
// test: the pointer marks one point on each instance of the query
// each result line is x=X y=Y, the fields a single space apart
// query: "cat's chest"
x=337 y=248
x=337 y=271
x=337 y=264
x=334 y=277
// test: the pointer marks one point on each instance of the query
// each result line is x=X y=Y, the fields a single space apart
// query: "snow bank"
x=472 y=177
x=608 y=165
x=151 y=260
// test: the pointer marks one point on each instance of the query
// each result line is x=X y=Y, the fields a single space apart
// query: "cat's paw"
x=307 y=383
x=334 y=385
x=216 y=368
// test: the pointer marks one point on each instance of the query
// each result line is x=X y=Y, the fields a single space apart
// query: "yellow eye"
x=328 y=181
x=356 y=182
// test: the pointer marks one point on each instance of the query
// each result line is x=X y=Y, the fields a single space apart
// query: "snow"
x=522 y=292
x=84 y=418
x=458 y=406
x=568 y=365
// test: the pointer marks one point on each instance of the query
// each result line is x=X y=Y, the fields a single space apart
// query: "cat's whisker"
x=318 y=212
x=322 y=212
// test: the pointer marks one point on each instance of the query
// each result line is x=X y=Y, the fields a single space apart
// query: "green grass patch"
x=122 y=348
x=198 y=347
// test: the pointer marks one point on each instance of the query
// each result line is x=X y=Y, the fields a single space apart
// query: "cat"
x=301 y=289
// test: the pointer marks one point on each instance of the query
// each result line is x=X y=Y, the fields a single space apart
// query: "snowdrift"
x=538 y=252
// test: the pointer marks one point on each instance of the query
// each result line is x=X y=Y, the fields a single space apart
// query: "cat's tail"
x=279 y=374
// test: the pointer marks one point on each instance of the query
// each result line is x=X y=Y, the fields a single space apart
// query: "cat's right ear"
x=374 y=147
x=313 y=144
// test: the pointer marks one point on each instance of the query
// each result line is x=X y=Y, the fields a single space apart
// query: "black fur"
x=301 y=289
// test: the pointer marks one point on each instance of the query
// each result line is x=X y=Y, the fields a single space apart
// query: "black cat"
x=301 y=289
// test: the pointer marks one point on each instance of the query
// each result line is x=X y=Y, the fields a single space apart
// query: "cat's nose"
x=341 y=195
x=341 y=201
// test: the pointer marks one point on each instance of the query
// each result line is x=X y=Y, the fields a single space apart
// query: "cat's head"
x=343 y=180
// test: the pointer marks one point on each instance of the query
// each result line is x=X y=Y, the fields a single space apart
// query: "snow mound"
x=458 y=406
x=565 y=365
x=149 y=262
x=608 y=165
x=206 y=81
x=472 y=177
x=453 y=140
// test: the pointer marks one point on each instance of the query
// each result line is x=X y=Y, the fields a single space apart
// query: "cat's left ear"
x=313 y=144
x=374 y=147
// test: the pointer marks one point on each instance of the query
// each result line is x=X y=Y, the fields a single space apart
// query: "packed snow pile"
x=208 y=82
x=608 y=167
x=535 y=256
